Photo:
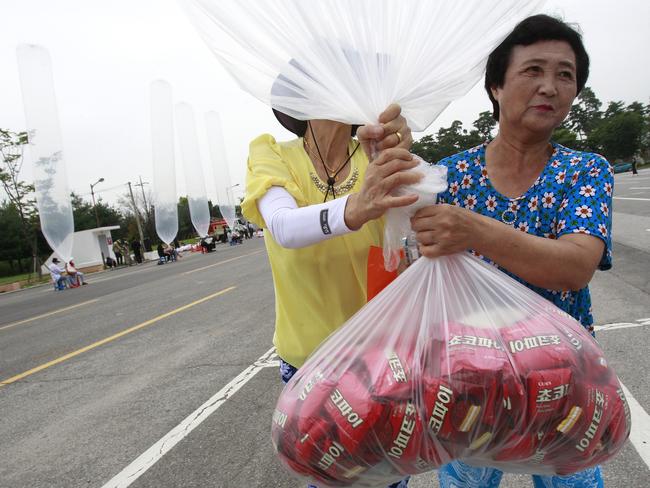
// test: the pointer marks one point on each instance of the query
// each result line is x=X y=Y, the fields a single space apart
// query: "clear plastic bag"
x=398 y=223
x=348 y=60
x=452 y=360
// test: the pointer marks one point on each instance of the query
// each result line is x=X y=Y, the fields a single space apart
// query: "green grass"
x=22 y=277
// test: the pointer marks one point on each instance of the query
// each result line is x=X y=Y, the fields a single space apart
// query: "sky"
x=106 y=54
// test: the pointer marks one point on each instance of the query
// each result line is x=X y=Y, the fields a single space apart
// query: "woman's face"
x=539 y=87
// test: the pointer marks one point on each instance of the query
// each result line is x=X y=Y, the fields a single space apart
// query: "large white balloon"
x=197 y=196
x=217 y=147
x=164 y=169
x=50 y=178
x=348 y=60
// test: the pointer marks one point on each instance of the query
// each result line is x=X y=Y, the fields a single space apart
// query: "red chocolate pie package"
x=453 y=360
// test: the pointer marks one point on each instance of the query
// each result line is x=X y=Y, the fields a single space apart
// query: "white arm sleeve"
x=293 y=227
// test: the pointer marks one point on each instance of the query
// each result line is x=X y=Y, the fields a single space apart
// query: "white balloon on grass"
x=217 y=147
x=164 y=169
x=197 y=196
x=348 y=60
x=46 y=148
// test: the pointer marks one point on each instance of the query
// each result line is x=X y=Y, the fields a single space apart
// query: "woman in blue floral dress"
x=539 y=211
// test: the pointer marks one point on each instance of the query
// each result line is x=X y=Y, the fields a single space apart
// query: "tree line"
x=618 y=131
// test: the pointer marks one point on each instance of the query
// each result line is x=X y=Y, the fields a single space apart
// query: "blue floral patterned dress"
x=573 y=194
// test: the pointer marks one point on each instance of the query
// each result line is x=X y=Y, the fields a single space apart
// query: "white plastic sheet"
x=217 y=147
x=164 y=169
x=348 y=60
x=197 y=196
x=50 y=178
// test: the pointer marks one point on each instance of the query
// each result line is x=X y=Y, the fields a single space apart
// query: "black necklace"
x=331 y=179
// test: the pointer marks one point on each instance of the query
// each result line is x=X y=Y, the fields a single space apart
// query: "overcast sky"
x=106 y=53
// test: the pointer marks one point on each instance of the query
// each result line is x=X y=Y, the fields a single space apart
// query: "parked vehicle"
x=622 y=167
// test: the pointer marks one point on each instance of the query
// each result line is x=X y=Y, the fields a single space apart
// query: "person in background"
x=126 y=252
x=170 y=252
x=117 y=250
x=539 y=211
x=162 y=258
x=321 y=202
x=56 y=273
x=76 y=277
x=137 y=250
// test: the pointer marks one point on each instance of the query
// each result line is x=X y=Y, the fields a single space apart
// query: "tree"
x=618 y=136
x=566 y=137
x=13 y=247
x=185 y=227
x=84 y=215
x=585 y=114
x=614 y=108
x=449 y=140
x=485 y=124
x=18 y=191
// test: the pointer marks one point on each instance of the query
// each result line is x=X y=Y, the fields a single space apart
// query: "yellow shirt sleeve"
x=267 y=168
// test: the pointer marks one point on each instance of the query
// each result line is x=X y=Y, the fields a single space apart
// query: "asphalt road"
x=162 y=376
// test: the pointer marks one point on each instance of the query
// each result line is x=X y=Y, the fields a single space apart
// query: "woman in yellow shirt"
x=321 y=202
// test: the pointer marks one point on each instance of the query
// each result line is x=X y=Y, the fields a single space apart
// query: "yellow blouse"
x=318 y=287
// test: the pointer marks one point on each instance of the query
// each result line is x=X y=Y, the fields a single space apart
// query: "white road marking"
x=152 y=455
x=640 y=433
x=640 y=188
x=636 y=199
x=622 y=325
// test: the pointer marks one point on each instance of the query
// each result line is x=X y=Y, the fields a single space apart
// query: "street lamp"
x=92 y=193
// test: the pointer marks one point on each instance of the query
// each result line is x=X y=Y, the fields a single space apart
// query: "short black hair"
x=529 y=31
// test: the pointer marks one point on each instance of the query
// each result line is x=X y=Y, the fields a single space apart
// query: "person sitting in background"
x=162 y=258
x=171 y=253
x=75 y=276
x=56 y=272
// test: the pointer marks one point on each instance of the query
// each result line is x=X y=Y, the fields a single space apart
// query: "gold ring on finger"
x=399 y=137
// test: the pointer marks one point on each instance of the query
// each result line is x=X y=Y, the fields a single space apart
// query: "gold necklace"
x=340 y=189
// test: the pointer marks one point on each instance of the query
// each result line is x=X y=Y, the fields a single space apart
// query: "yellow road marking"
x=111 y=338
x=221 y=262
x=31 y=319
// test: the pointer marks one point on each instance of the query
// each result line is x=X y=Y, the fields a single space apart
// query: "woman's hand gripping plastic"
x=398 y=219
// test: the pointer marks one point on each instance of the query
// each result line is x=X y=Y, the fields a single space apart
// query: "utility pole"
x=141 y=185
x=137 y=216
x=92 y=193
x=147 y=210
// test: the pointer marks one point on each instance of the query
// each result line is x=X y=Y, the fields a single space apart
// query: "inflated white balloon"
x=217 y=147
x=164 y=169
x=197 y=196
x=46 y=148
